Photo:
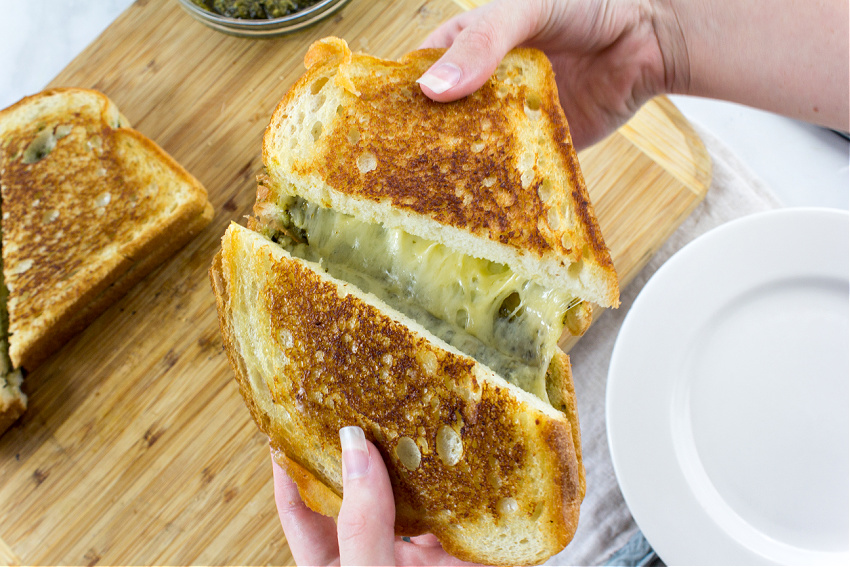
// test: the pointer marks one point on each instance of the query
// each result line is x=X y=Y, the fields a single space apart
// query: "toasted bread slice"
x=325 y=501
x=494 y=174
x=474 y=213
x=491 y=470
x=84 y=198
x=89 y=207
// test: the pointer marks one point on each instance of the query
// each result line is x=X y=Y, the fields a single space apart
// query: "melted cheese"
x=482 y=308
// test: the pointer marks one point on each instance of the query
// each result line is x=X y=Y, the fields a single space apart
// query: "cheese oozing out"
x=10 y=379
x=484 y=309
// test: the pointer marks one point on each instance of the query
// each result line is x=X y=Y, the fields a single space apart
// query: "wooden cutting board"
x=136 y=448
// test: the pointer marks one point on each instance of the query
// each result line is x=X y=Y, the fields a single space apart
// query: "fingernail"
x=355 y=453
x=441 y=78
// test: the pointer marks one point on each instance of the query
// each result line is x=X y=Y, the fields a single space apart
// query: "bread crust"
x=320 y=498
x=136 y=205
x=519 y=473
x=317 y=495
x=562 y=396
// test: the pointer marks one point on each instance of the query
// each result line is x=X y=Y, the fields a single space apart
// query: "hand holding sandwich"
x=364 y=532
x=610 y=57
x=473 y=430
x=418 y=291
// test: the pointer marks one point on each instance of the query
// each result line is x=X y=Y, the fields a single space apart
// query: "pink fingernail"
x=441 y=78
x=355 y=453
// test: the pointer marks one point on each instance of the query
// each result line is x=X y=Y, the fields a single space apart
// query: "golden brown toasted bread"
x=89 y=207
x=491 y=470
x=494 y=173
x=325 y=501
x=430 y=256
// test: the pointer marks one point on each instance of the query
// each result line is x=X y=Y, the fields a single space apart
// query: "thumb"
x=476 y=49
x=365 y=527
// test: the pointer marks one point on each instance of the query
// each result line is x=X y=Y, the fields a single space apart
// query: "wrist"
x=672 y=44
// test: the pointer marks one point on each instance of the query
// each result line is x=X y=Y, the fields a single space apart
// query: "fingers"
x=311 y=536
x=366 y=520
x=427 y=540
x=364 y=533
x=444 y=35
x=424 y=550
x=477 y=41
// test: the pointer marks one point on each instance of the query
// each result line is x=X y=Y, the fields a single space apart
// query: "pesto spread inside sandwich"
x=483 y=308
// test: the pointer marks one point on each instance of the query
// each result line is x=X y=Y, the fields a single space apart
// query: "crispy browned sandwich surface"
x=84 y=197
x=497 y=168
x=409 y=268
x=488 y=468
x=89 y=207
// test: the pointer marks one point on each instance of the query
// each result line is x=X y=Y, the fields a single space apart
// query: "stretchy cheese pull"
x=480 y=307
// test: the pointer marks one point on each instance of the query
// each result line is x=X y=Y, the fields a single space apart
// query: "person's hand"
x=611 y=56
x=605 y=55
x=364 y=533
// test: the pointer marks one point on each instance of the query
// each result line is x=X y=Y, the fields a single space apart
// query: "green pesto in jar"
x=254 y=9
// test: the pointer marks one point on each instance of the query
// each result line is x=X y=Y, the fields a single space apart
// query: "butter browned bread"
x=89 y=207
x=410 y=268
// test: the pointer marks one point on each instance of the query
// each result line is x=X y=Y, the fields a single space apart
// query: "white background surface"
x=804 y=165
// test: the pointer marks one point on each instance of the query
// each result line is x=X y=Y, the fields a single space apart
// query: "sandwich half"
x=410 y=268
x=89 y=207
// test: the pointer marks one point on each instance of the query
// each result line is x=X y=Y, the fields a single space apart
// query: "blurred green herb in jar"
x=254 y=9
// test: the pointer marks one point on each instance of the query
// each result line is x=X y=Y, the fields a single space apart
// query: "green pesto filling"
x=482 y=308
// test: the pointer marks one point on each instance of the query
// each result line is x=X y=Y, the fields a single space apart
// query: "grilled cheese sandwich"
x=410 y=268
x=90 y=206
x=483 y=308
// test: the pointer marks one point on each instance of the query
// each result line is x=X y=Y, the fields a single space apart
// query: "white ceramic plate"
x=727 y=402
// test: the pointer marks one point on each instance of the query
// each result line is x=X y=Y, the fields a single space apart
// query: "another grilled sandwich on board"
x=89 y=207
x=410 y=268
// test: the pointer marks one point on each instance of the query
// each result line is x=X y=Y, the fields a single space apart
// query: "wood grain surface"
x=136 y=448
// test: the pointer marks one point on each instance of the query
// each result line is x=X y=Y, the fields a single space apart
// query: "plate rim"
x=736 y=552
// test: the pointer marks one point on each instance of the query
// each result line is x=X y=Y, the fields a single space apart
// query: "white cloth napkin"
x=605 y=523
